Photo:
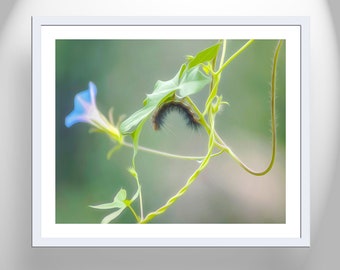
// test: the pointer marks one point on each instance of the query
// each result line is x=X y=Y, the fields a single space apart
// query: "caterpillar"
x=175 y=105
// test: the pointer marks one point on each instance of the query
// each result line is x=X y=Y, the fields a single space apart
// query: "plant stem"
x=224 y=49
x=134 y=213
x=221 y=145
x=139 y=187
x=236 y=54
x=161 y=153
x=189 y=182
x=214 y=139
x=193 y=177
x=179 y=194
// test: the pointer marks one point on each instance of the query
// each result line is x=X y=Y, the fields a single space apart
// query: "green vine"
x=197 y=72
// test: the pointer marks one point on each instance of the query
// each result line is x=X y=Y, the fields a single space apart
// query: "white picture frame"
x=46 y=232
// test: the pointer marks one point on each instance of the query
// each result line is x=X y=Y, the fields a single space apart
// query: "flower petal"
x=84 y=103
x=84 y=99
x=85 y=110
x=74 y=118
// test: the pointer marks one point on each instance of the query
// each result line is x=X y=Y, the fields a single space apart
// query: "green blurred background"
x=124 y=71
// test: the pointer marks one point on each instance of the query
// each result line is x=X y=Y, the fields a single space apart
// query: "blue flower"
x=85 y=110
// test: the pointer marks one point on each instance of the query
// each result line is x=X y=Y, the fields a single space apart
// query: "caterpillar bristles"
x=160 y=114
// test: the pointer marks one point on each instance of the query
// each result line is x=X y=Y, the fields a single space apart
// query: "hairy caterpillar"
x=175 y=105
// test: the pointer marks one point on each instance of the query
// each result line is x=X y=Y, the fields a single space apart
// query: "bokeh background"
x=124 y=72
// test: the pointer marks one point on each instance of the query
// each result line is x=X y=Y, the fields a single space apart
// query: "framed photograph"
x=172 y=131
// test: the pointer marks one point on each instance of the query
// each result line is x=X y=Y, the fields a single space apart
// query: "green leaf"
x=112 y=216
x=121 y=195
x=152 y=102
x=118 y=201
x=110 y=205
x=182 y=69
x=205 y=55
x=162 y=90
x=186 y=82
x=130 y=123
x=193 y=81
